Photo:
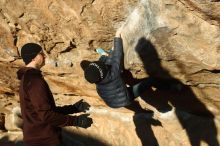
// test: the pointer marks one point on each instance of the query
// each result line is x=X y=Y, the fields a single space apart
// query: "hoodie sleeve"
x=117 y=54
x=67 y=109
x=44 y=106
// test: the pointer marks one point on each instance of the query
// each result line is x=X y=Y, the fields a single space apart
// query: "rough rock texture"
x=175 y=40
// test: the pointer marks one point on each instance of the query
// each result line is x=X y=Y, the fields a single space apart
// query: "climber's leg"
x=142 y=86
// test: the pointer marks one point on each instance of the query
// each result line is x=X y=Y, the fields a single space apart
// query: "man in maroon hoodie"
x=42 y=118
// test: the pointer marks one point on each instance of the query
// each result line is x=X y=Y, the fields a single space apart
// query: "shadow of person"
x=170 y=93
x=143 y=119
x=72 y=138
x=69 y=139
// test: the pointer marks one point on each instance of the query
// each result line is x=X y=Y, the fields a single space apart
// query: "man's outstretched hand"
x=84 y=121
x=82 y=106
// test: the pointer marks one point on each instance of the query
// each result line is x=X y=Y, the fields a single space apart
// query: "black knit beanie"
x=95 y=72
x=29 y=51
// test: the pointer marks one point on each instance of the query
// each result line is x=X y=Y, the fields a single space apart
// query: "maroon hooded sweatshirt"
x=42 y=122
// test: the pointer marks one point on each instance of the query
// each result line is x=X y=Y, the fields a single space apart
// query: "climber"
x=106 y=74
x=42 y=119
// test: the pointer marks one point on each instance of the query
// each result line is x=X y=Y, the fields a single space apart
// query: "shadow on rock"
x=75 y=139
x=69 y=139
x=143 y=119
x=170 y=93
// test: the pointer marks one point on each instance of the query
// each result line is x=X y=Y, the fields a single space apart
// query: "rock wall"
x=174 y=40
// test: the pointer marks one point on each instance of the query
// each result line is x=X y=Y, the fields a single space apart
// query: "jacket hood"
x=31 y=71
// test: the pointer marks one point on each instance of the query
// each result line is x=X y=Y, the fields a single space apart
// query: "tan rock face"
x=177 y=40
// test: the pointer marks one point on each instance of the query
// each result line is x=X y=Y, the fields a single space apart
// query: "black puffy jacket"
x=112 y=89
